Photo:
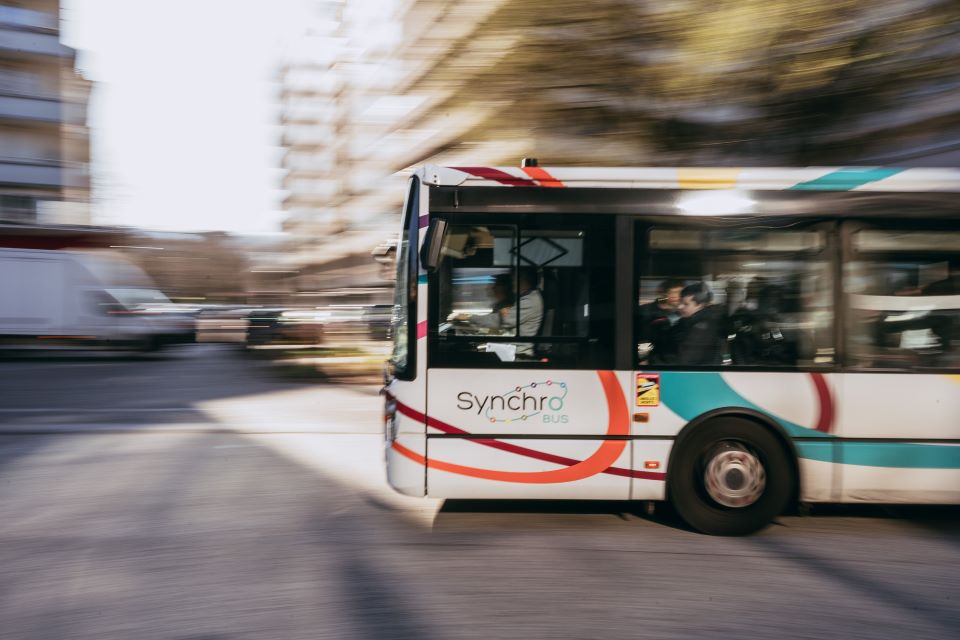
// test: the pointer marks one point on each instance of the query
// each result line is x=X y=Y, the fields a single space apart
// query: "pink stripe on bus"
x=489 y=173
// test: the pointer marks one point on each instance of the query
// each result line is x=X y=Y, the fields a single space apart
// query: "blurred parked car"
x=84 y=299
x=222 y=323
x=331 y=326
x=284 y=326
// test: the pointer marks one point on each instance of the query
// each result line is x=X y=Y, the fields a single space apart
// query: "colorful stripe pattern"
x=798 y=179
x=690 y=395
x=535 y=176
x=846 y=179
x=497 y=175
x=600 y=461
x=543 y=178
x=707 y=178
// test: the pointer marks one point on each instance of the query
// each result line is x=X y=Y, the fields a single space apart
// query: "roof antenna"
x=529 y=162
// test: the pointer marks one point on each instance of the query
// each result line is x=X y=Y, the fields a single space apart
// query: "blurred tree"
x=710 y=81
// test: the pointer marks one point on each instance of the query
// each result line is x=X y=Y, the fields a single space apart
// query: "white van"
x=82 y=298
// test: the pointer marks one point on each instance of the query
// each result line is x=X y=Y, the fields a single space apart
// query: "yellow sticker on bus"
x=648 y=389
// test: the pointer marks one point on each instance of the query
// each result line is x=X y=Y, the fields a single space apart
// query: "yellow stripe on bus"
x=708 y=178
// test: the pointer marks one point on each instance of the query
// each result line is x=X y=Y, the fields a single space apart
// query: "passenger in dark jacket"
x=656 y=324
x=700 y=327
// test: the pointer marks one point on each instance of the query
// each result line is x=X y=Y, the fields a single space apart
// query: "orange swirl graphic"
x=607 y=453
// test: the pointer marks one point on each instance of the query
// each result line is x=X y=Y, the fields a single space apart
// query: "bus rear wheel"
x=730 y=477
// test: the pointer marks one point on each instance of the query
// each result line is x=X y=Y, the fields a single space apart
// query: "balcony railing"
x=26 y=18
x=34 y=109
x=31 y=173
x=24 y=83
x=22 y=42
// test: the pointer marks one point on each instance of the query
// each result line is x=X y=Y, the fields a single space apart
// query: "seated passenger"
x=530 y=311
x=700 y=327
x=503 y=320
x=756 y=328
x=657 y=325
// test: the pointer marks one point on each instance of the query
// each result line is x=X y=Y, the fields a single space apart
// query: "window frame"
x=520 y=221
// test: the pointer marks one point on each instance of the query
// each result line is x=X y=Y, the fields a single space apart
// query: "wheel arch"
x=761 y=420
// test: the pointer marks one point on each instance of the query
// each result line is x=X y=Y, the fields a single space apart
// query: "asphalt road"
x=198 y=495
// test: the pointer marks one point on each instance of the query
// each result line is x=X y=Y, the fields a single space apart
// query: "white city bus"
x=733 y=341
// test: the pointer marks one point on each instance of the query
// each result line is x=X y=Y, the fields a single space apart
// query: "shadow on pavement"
x=936 y=518
x=81 y=356
x=859 y=577
x=456 y=513
x=176 y=378
x=196 y=538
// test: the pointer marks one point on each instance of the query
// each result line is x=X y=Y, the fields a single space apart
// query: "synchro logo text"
x=544 y=399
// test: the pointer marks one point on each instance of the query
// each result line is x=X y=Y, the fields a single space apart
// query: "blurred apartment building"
x=44 y=139
x=353 y=115
x=380 y=85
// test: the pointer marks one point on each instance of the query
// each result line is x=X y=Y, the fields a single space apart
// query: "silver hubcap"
x=734 y=476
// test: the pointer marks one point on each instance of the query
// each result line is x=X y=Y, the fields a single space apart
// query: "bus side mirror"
x=432 y=244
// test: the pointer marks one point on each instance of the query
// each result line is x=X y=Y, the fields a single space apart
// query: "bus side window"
x=734 y=297
x=903 y=298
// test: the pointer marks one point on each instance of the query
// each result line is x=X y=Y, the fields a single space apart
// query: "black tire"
x=687 y=486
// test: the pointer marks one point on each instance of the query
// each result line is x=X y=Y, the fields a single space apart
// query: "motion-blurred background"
x=198 y=200
x=249 y=157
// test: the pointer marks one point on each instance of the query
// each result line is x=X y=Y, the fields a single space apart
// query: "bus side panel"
x=650 y=459
x=663 y=403
x=899 y=485
x=649 y=418
x=878 y=407
x=816 y=476
x=565 y=416
x=650 y=413
x=528 y=402
x=527 y=469
x=900 y=405
x=405 y=470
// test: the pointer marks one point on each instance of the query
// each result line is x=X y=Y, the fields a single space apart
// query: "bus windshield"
x=404 y=292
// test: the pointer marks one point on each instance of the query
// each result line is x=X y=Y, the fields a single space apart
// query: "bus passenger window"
x=515 y=296
x=903 y=299
x=733 y=297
